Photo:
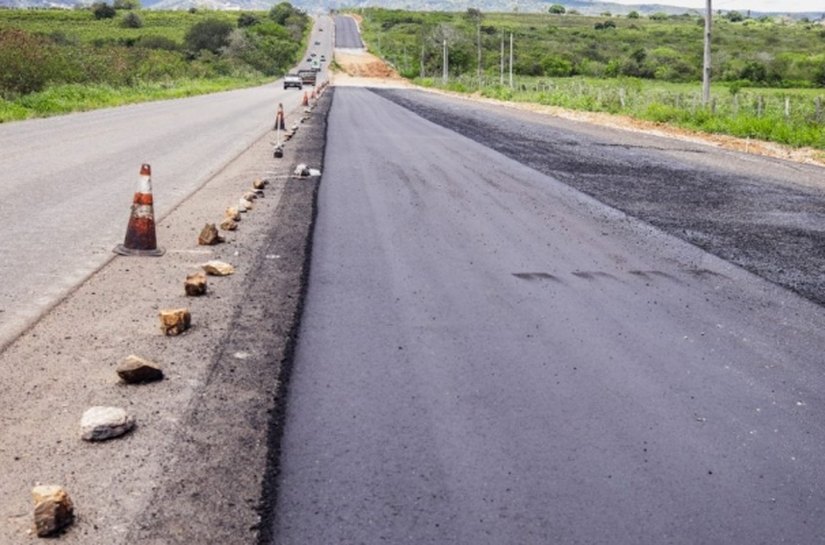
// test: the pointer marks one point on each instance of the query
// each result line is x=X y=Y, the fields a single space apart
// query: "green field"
x=769 y=75
x=57 y=61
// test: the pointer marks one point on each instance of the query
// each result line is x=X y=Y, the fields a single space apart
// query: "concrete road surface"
x=347 y=35
x=67 y=182
x=489 y=356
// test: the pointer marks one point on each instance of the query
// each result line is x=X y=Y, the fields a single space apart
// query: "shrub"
x=126 y=4
x=25 y=63
x=102 y=10
x=557 y=9
x=131 y=20
x=633 y=15
x=210 y=35
x=247 y=20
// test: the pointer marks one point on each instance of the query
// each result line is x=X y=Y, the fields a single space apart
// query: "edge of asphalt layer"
x=199 y=467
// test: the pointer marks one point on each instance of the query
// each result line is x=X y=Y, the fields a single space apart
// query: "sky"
x=781 y=6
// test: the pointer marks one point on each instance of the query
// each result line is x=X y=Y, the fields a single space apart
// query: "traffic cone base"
x=140 y=234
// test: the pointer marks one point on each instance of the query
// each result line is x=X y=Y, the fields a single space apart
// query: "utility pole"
x=706 y=67
x=511 y=59
x=501 y=71
x=445 y=73
x=478 y=45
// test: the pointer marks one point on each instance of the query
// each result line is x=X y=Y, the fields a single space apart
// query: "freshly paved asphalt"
x=67 y=182
x=488 y=356
x=347 y=35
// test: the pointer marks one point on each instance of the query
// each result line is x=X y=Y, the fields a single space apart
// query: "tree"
x=734 y=16
x=210 y=34
x=102 y=10
x=557 y=9
x=633 y=15
x=281 y=12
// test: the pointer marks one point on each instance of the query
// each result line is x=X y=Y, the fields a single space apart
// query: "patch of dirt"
x=361 y=64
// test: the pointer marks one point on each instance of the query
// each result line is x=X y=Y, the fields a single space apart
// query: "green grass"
x=750 y=113
x=59 y=61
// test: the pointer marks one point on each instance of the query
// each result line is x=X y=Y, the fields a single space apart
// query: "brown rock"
x=228 y=224
x=259 y=184
x=250 y=196
x=209 y=235
x=53 y=510
x=137 y=370
x=218 y=268
x=175 y=321
x=195 y=284
x=233 y=213
x=244 y=204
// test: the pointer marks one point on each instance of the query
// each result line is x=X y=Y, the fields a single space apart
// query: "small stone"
x=250 y=196
x=244 y=204
x=137 y=370
x=101 y=423
x=209 y=235
x=175 y=321
x=53 y=509
x=301 y=170
x=233 y=213
x=259 y=184
x=218 y=268
x=228 y=224
x=195 y=283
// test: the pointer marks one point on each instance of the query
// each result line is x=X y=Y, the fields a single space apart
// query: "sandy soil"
x=364 y=69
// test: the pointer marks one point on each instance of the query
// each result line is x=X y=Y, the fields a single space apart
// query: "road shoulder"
x=193 y=471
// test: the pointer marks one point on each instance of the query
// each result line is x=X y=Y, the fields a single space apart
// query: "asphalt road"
x=765 y=215
x=67 y=182
x=489 y=356
x=347 y=35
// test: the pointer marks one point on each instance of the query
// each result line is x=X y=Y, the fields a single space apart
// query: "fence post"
x=787 y=108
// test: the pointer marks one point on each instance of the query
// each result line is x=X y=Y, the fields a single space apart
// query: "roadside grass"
x=61 y=99
x=795 y=117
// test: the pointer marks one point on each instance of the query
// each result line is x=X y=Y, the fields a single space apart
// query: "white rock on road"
x=101 y=423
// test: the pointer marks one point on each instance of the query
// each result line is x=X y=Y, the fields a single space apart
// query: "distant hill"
x=586 y=7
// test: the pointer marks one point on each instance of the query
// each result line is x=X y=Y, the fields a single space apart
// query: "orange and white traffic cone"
x=305 y=102
x=140 y=234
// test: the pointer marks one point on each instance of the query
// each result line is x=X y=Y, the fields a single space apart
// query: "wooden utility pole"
x=706 y=67
x=511 y=59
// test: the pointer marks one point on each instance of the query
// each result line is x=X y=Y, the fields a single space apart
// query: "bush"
x=102 y=10
x=25 y=63
x=557 y=9
x=126 y=4
x=131 y=20
x=247 y=20
x=210 y=35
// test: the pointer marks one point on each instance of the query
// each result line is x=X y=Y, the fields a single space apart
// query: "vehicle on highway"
x=307 y=77
x=293 y=80
x=312 y=54
x=317 y=43
x=323 y=58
